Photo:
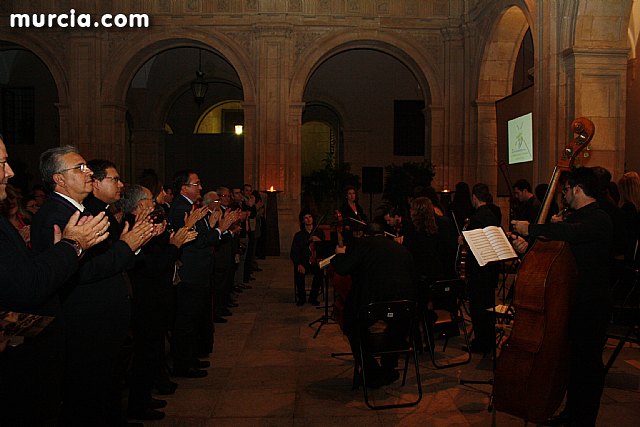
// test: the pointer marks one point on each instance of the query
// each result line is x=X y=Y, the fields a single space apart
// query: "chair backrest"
x=396 y=311
x=444 y=294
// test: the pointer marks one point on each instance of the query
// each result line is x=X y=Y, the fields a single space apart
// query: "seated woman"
x=424 y=243
x=304 y=259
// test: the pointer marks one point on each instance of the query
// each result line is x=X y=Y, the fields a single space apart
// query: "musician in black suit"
x=30 y=373
x=95 y=302
x=381 y=270
x=528 y=203
x=482 y=281
x=301 y=256
x=589 y=231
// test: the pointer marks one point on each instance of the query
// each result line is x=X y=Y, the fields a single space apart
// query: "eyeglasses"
x=565 y=189
x=193 y=184
x=115 y=179
x=82 y=167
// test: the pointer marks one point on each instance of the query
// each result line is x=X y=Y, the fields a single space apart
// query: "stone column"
x=111 y=141
x=274 y=156
x=451 y=115
x=251 y=148
x=596 y=89
x=487 y=146
x=84 y=94
x=146 y=150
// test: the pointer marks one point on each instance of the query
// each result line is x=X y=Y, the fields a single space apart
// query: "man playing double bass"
x=588 y=231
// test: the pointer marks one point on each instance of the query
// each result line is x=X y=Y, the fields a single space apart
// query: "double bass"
x=531 y=374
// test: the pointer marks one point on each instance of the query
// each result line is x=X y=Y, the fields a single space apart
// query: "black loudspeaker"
x=372 y=179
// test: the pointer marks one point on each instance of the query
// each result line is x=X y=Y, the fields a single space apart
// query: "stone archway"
x=406 y=52
x=49 y=55
x=137 y=52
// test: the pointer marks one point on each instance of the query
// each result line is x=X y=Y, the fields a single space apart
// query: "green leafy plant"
x=322 y=190
x=401 y=181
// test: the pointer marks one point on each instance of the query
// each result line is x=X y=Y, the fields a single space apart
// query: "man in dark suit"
x=482 y=281
x=225 y=258
x=95 y=302
x=194 y=289
x=381 y=270
x=30 y=372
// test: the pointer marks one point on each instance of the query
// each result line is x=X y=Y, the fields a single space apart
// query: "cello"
x=341 y=284
x=531 y=373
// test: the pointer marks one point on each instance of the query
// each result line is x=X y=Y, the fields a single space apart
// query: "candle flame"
x=271 y=189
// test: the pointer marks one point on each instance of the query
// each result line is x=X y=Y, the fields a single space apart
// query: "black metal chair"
x=625 y=320
x=397 y=338
x=448 y=296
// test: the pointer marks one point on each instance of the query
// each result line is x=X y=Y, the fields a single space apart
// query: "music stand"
x=494 y=350
x=324 y=250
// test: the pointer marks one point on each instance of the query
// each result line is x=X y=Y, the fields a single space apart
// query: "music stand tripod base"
x=325 y=319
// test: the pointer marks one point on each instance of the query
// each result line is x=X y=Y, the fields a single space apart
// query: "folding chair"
x=625 y=320
x=446 y=295
x=397 y=338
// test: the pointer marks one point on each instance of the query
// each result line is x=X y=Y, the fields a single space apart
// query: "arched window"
x=221 y=118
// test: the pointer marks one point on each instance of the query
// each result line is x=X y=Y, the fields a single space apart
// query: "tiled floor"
x=268 y=370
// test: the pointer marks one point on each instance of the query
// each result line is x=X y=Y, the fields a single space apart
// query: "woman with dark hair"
x=351 y=209
x=423 y=242
x=461 y=208
x=425 y=245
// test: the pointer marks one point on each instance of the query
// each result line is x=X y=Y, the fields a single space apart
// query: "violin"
x=339 y=228
x=463 y=251
x=341 y=284
x=313 y=258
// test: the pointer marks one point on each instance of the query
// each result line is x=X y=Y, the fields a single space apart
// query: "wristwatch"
x=74 y=244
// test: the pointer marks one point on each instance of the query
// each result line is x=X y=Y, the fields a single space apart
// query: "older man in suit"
x=95 y=302
x=30 y=373
x=194 y=290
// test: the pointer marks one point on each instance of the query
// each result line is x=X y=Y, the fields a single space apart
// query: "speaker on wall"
x=372 y=179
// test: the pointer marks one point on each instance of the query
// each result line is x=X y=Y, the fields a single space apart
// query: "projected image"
x=520 y=139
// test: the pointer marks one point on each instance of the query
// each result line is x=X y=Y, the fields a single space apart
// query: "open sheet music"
x=489 y=244
x=325 y=262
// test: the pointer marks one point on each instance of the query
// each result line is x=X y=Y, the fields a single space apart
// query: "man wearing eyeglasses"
x=588 y=230
x=95 y=302
x=27 y=378
x=193 y=305
x=106 y=189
